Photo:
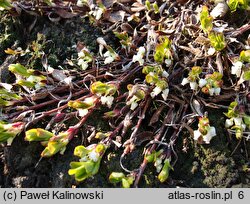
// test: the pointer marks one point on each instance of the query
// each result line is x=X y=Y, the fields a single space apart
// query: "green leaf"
x=81 y=104
x=154 y=69
x=246 y=119
x=4 y=136
x=246 y=75
x=125 y=183
x=162 y=50
x=234 y=4
x=28 y=84
x=5 y=5
x=116 y=177
x=38 y=134
x=245 y=56
x=8 y=131
x=19 y=69
x=5 y=94
x=163 y=176
x=152 y=78
x=83 y=170
x=231 y=110
x=78 y=169
x=81 y=151
x=103 y=88
x=217 y=40
x=206 y=20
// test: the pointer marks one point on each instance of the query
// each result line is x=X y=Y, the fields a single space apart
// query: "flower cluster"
x=97 y=11
x=238 y=120
x=8 y=131
x=205 y=132
x=89 y=162
x=116 y=177
x=54 y=143
x=136 y=94
x=83 y=106
x=110 y=55
x=105 y=91
x=157 y=76
x=84 y=57
x=211 y=84
x=239 y=69
x=193 y=78
x=139 y=56
x=163 y=52
x=161 y=162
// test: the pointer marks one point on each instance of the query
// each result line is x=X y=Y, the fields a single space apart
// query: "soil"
x=20 y=164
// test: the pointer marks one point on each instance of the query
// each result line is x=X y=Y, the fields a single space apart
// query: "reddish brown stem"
x=41 y=105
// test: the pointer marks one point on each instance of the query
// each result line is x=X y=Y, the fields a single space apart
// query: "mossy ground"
x=200 y=166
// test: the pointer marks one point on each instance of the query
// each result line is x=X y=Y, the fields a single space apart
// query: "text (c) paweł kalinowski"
x=57 y=195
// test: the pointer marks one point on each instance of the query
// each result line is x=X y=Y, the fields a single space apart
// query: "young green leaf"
x=206 y=20
x=217 y=40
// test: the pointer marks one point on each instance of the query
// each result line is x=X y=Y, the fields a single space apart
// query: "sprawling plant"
x=149 y=88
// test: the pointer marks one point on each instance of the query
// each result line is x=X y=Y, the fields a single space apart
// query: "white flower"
x=83 y=64
x=211 y=91
x=165 y=94
x=202 y=82
x=211 y=51
x=210 y=134
x=31 y=78
x=134 y=98
x=197 y=134
x=193 y=85
x=94 y=156
x=217 y=91
x=165 y=74
x=229 y=123
x=236 y=68
x=168 y=62
x=158 y=162
x=97 y=12
x=82 y=112
x=141 y=51
x=158 y=168
x=81 y=54
x=133 y=102
x=237 y=121
x=139 y=56
x=133 y=105
x=107 y=100
x=184 y=81
x=89 y=100
x=155 y=91
x=109 y=58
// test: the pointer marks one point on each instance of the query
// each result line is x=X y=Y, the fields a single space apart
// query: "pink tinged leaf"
x=142 y=137
x=156 y=115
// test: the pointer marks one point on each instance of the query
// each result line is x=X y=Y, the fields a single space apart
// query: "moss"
x=10 y=34
x=219 y=170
